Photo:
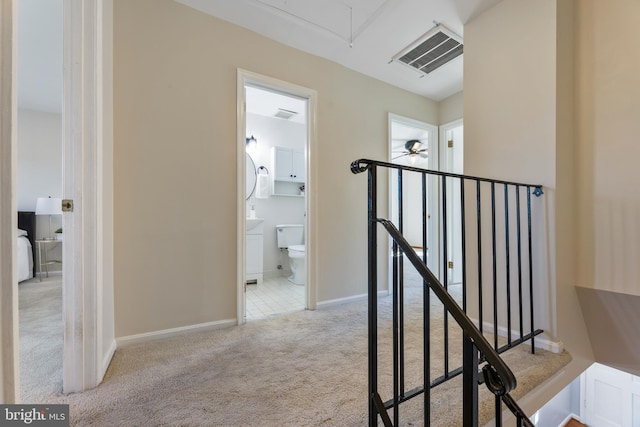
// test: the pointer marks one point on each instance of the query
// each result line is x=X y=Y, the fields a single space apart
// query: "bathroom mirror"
x=251 y=178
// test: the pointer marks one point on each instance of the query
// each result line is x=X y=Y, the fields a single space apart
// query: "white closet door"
x=613 y=398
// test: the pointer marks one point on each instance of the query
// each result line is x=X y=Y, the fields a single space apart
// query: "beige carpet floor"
x=302 y=369
x=41 y=340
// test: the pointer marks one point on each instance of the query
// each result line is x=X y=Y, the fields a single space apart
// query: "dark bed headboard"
x=27 y=222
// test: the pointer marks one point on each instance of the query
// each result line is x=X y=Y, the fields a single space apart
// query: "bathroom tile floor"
x=274 y=296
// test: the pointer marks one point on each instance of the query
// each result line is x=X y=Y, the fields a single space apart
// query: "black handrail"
x=499 y=380
x=361 y=165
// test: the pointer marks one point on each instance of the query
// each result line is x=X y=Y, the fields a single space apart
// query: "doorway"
x=275 y=204
x=89 y=341
x=414 y=143
x=452 y=160
x=39 y=189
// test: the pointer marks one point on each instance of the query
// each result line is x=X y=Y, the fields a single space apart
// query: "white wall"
x=563 y=404
x=39 y=157
x=271 y=132
x=39 y=172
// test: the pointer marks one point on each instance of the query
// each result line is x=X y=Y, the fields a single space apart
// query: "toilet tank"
x=289 y=234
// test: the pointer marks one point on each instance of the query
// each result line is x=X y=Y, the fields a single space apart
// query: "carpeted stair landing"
x=303 y=369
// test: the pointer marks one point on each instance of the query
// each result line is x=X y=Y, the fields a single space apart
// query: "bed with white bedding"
x=26 y=234
x=25 y=256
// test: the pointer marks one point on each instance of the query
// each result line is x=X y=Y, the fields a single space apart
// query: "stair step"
x=574 y=423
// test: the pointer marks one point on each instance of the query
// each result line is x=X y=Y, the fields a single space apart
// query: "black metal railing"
x=475 y=349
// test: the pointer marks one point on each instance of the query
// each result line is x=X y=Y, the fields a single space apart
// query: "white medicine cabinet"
x=289 y=171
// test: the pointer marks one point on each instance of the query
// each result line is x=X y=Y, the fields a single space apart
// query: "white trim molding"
x=347 y=300
x=174 y=332
x=541 y=341
x=106 y=360
x=9 y=354
x=83 y=363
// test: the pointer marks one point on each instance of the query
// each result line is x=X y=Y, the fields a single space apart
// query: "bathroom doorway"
x=275 y=132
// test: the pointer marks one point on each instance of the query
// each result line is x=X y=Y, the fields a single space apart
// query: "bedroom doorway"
x=415 y=143
x=39 y=191
x=275 y=157
x=89 y=341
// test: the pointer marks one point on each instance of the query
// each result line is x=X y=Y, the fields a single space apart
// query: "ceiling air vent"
x=285 y=114
x=432 y=50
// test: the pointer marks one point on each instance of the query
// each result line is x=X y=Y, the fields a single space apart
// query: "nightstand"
x=43 y=260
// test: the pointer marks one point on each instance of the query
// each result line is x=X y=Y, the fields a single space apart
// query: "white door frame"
x=82 y=143
x=453 y=230
x=433 y=164
x=83 y=361
x=9 y=353
x=247 y=77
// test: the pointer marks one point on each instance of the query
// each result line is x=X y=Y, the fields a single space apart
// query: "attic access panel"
x=431 y=51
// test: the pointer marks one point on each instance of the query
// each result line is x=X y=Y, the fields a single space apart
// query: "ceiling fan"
x=413 y=150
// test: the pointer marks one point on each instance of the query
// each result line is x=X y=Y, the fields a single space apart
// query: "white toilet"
x=291 y=237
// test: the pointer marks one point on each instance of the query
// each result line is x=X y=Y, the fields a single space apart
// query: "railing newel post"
x=400 y=294
x=533 y=344
x=519 y=226
x=508 y=261
x=445 y=275
x=426 y=304
x=495 y=272
x=479 y=230
x=373 y=294
x=469 y=382
x=463 y=242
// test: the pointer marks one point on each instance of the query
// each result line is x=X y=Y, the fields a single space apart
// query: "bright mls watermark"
x=34 y=415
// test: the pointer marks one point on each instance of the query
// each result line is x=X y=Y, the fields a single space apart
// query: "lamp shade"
x=48 y=206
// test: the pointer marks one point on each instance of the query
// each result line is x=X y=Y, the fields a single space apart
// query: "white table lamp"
x=49 y=206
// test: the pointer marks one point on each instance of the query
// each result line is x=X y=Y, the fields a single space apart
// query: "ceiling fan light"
x=413 y=145
x=412 y=159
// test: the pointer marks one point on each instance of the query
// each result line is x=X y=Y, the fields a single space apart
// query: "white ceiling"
x=360 y=34
x=379 y=30
x=266 y=103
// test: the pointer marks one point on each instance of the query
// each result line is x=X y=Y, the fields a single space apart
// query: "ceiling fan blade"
x=402 y=155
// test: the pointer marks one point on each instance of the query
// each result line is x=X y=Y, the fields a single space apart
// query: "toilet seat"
x=296 y=248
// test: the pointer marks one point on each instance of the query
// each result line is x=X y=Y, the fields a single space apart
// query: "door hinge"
x=450 y=144
x=67 y=205
x=450 y=264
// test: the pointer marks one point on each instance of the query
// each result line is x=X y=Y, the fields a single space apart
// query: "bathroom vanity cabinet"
x=289 y=171
x=255 y=249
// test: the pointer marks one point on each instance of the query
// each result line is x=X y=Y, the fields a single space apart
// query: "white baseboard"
x=346 y=300
x=547 y=344
x=51 y=273
x=540 y=341
x=107 y=359
x=166 y=333
x=566 y=420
